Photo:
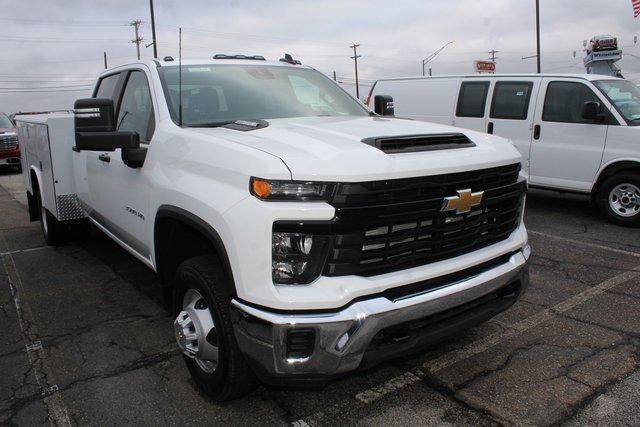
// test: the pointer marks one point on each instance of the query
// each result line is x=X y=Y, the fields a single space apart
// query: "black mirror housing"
x=106 y=141
x=94 y=115
x=591 y=111
x=383 y=105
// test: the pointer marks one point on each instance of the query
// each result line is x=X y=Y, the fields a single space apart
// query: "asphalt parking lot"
x=84 y=340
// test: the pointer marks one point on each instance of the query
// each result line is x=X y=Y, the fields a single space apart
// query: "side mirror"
x=383 y=105
x=591 y=111
x=95 y=127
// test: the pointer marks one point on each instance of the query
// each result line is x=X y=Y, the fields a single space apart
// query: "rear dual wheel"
x=56 y=232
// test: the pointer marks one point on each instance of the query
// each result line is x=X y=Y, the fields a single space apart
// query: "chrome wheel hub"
x=624 y=200
x=195 y=331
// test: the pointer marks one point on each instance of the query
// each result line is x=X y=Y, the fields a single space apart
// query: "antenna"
x=180 y=76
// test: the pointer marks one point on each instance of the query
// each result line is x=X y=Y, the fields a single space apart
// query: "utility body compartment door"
x=566 y=150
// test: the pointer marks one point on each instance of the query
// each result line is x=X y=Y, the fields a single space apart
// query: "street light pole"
x=433 y=55
x=538 y=34
x=153 y=30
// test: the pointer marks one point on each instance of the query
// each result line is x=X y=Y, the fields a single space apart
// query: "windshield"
x=220 y=93
x=625 y=96
x=5 y=122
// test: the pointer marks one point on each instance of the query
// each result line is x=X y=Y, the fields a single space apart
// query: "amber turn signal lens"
x=261 y=188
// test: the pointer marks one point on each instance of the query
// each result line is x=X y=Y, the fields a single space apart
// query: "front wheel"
x=619 y=199
x=204 y=332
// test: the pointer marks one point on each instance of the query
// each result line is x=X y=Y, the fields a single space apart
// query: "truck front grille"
x=390 y=225
x=8 y=143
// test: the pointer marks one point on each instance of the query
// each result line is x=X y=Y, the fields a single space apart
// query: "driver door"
x=119 y=193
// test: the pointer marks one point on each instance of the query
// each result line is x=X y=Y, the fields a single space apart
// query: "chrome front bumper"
x=343 y=337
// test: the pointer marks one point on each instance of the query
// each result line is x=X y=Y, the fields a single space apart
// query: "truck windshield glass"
x=625 y=96
x=5 y=122
x=220 y=93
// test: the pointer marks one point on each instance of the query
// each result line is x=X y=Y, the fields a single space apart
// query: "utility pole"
x=153 y=31
x=136 y=26
x=493 y=52
x=355 y=61
x=538 y=34
x=334 y=76
x=105 y=60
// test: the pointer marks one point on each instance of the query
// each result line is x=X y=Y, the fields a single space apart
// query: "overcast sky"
x=48 y=43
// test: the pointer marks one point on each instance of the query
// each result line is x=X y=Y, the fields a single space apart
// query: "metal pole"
x=429 y=71
x=423 y=67
x=105 y=60
x=153 y=30
x=355 y=61
x=334 y=76
x=538 y=33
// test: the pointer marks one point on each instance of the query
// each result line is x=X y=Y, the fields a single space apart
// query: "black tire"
x=623 y=216
x=232 y=377
x=52 y=229
x=79 y=229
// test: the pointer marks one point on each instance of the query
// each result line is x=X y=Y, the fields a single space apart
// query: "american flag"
x=636 y=7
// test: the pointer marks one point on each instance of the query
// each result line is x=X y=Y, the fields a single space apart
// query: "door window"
x=563 y=102
x=136 y=110
x=511 y=100
x=107 y=86
x=472 y=99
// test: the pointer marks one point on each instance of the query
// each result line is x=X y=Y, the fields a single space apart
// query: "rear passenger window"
x=472 y=99
x=564 y=100
x=107 y=86
x=511 y=100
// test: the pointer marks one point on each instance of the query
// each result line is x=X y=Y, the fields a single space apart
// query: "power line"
x=493 y=52
x=46 y=87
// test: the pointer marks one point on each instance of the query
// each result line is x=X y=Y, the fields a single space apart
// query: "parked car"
x=576 y=133
x=9 y=149
x=296 y=235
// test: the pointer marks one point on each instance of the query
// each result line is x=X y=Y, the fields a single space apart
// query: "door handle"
x=536 y=132
x=490 y=127
x=104 y=158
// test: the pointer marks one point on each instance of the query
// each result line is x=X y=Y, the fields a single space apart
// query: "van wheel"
x=619 y=199
x=204 y=333
x=51 y=228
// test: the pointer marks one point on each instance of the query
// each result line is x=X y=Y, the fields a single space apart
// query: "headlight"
x=297 y=258
x=276 y=190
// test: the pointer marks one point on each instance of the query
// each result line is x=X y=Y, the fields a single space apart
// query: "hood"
x=331 y=148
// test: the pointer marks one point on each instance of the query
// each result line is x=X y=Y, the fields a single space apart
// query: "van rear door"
x=471 y=107
x=511 y=112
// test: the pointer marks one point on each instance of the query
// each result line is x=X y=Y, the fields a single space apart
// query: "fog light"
x=297 y=258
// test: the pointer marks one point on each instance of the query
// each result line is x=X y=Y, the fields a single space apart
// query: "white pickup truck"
x=296 y=234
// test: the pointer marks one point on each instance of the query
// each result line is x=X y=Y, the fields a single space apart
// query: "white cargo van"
x=575 y=132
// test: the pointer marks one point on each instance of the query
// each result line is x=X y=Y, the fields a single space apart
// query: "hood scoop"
x=415 y=143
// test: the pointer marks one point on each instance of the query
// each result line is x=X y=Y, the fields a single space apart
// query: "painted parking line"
x=55 y=406
x=583 y=243
x=477 y=347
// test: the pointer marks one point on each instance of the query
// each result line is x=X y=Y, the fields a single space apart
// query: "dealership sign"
x=484 y=66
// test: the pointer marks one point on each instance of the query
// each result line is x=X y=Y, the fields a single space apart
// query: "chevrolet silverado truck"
x=296 y=234
x=9 y=150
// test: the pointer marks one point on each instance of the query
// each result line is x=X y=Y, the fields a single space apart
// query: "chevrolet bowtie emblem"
x=463 y=202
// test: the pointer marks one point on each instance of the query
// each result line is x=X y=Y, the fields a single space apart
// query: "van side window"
x=107 y=86
x=136 y=109
x=472 y=99
x=511 y=100
x=563 y=102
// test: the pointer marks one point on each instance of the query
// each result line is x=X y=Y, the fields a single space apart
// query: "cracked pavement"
x=85 y=340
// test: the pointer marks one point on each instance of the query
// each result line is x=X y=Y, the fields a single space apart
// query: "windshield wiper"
x=209 y=125
x=237 y=124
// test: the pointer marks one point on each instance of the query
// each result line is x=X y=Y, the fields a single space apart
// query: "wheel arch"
x=35 y=182
x=180 y=235
x=613 y=168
